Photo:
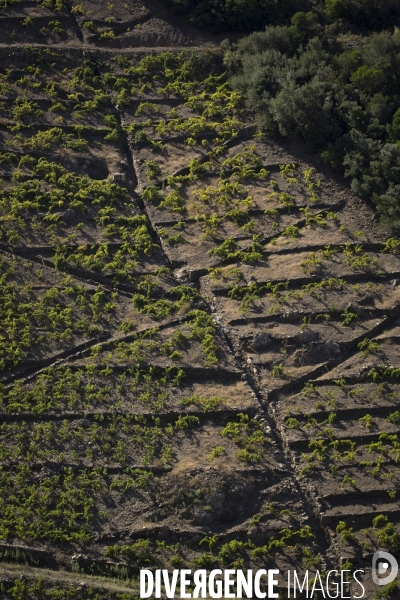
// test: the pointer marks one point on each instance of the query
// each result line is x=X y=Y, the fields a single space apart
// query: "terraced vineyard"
x=199 y=327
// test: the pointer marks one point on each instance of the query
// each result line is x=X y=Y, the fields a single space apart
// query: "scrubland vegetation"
x=339 y=69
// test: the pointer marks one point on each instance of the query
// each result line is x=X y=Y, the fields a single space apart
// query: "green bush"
x=297 y=75
x=373 y=14
x=240 y=15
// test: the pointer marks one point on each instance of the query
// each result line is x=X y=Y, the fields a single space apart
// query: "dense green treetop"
x=327 y=73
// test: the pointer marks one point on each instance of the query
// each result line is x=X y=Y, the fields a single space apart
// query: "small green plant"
x=292 y=423
x=210 y=540
x=311 y=263
x=139 y=551
x=390 y=591
x=394 y=417
x=348 y=317
x=255 y=520
x=107 y=35
x=292 y=231
x=347 y=479
x=186 y=422
x=309 y=389
x=153 y=169
x=356 y=258
x=367 y=421
x=247 y=433
x=211 y=403
x=345 y=533
x=368 y=347
x=391 y=245
x=56 y=28
x=277 y=371
x=216 y=452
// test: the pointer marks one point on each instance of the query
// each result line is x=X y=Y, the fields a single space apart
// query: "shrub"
x=238 y=14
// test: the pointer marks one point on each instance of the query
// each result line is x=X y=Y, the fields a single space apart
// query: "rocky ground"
x=199 y=324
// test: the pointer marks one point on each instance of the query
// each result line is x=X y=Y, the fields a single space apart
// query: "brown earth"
x=301 y=355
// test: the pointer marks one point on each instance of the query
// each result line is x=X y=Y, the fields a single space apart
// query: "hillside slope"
x=199 y=326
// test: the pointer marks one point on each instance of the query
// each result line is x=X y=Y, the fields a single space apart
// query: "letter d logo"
x=381 y=563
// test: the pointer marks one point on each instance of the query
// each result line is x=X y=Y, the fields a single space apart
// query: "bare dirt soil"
x=199 y=325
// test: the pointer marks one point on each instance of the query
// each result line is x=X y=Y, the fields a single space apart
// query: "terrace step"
x=361 y=513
